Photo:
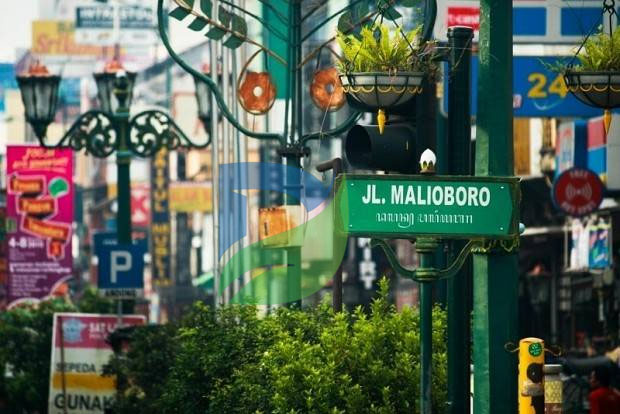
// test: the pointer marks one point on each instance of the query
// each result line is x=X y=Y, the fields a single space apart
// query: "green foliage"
x=601 y=52
x=312 y=361
x=25 y=351
x=379 y=50
x=141 y=373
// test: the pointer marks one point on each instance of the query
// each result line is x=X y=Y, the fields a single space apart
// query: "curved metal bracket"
x=210 y=83
x=348 y=123
x=422 y=274
x=94 y=132
x=149 y=131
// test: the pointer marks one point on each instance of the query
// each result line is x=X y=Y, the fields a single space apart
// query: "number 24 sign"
x=542 y=92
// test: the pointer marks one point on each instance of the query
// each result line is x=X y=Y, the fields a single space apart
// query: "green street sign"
x=407 y=206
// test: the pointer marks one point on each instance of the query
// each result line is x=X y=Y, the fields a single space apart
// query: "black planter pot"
x=372 y=91
x=597 y=89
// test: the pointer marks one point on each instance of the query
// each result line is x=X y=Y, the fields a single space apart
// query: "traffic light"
x=410 y=129
x=394 y=150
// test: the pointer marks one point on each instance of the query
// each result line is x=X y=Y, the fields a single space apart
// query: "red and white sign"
x=577 y=192
x=79 y=352
x=140 y=205
x=468 y=16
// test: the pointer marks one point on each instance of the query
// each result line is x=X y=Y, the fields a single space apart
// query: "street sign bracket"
x=426 y=246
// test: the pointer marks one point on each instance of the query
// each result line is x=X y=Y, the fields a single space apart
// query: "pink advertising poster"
x=39 y=219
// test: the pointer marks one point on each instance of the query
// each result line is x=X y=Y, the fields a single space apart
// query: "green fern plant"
x=600 y=53
x=377 y=49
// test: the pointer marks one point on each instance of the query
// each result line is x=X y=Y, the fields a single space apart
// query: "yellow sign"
x=187 y=197
x=531 y=377
x=57 y=38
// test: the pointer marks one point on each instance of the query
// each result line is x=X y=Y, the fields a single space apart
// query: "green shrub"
x=377 y=49
x=601 y=53
x=312 y=361
x=25 y=351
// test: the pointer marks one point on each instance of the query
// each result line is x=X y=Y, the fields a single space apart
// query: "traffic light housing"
x=395 y=150
x=410 y=129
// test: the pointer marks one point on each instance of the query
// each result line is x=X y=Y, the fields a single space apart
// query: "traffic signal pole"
x=458 y=154
x=495 y=272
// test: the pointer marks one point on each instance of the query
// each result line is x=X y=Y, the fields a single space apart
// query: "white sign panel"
x=95 y=25
x=79 y=353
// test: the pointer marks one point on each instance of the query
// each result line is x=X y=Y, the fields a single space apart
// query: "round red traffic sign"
x=577 y=192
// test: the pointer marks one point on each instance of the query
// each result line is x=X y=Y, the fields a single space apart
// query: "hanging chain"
x=609 y=6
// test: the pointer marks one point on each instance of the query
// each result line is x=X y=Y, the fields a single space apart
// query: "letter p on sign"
x=120 y=261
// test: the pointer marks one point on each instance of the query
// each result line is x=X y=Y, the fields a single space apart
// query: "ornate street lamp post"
x=103 y=132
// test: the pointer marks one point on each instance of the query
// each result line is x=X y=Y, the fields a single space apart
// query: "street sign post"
x=121 y=270
x=406 y=206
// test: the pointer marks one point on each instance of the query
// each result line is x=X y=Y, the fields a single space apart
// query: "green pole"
x=459 y=286
x=495 y=274
x=427 y=249
x=293 y=153
x=123 y=162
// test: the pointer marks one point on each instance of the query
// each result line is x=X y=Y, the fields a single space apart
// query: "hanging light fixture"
x=39 y=90
x=203 y=98
x=115 y=87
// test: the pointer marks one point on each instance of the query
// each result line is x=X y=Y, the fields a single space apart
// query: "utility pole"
x=495 y=272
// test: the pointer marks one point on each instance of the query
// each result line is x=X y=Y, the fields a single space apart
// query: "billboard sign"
x=533 y=21
x=160 y=216
x=79 y=353
x=538 y=90
x=94 y=24
x=39 y=219
x=187 y=197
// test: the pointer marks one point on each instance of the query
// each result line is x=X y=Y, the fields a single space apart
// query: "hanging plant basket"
x=597 y=89
x=374 y=91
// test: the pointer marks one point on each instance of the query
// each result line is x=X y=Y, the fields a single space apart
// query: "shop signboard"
x=56 y=38
x=577 y=192
x=160 y=217
x=533 y=21
x=187 y=197
x=79 y=353
x=538 y=91
x=7 y=81
x=95 y=22
x=399 y=206
x=39 y=220
x=571 y=146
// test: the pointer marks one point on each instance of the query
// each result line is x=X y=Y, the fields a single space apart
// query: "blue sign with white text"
x=121 y=266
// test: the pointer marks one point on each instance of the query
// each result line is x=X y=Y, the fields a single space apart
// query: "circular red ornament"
x=577 y=192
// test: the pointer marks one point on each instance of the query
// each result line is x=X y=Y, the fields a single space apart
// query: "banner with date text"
x=39 y=218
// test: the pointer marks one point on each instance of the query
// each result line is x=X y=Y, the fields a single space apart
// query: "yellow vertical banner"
x=531 y=376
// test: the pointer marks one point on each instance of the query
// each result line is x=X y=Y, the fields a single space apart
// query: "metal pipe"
x=337 y=290
x=459 y=163
x=215 y=174
x=224 y=184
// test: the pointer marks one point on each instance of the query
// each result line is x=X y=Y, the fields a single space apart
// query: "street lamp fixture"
x=115 y=87
x=103 y=132
x=203 y=98
x=39 y=91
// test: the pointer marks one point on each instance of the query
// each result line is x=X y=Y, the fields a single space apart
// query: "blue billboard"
x=538 y=91
x=7 y=81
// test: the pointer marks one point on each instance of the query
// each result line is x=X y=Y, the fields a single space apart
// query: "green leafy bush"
x=601 y=53
x=312 y=361
x=25 y=351
x=376 y=49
